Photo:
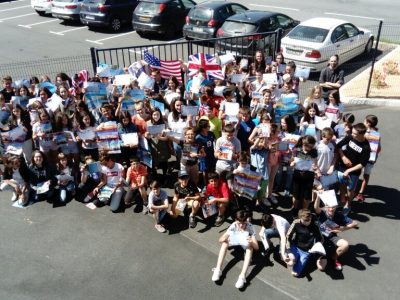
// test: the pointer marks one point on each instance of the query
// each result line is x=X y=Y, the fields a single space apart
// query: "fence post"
x=94 y=59
x=277 y=49
x=374 y=58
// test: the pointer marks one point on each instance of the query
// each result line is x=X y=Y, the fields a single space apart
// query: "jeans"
x=302 y=257
x=116 y=199
x=288 y=180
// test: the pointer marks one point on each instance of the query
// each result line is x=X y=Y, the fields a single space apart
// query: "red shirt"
x=221 y=191
x=135 y=176
x=140 y=123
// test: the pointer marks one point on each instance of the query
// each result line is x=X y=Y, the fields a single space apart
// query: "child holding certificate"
x=240 y=233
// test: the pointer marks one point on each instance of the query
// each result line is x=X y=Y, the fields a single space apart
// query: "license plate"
x=89 y=17
x=196 y=29
x=144 y=19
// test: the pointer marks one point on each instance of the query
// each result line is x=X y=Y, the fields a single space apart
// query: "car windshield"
x=238 y=27
x=201 y=13
x=308 y=34
x=95 y=1
x=148 y=7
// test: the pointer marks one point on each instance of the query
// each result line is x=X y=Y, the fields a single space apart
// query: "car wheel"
x=368 y=46
x=41 y=13
x=115 y=24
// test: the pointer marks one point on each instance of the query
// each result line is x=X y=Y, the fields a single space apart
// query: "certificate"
x=328 y=198
x=124 y=79
x=43 y=187
x=237 y=78
x=322 y=123
x=270 y=78
x=145 y=81
x=310 y=130
x=264 y=130
x=302 y=72
x=256 y=95
x=190 y=110
x=239 y=238
x=130 y=139
x=86 y=135
x=155 y=129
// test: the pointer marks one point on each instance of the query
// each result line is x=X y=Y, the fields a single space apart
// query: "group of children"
x=212 y=148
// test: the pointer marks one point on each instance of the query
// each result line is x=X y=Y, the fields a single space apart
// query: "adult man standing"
x=331 y=78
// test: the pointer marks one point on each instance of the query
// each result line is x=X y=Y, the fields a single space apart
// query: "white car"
x=66 y=9
x=311 y=43
x=42 y=7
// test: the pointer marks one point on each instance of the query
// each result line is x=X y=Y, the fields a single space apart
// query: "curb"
x=370 y=101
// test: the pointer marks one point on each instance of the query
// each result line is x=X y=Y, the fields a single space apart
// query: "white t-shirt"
x=114 y=175
x=325 y=156
x=228 y=147
x=320 y=103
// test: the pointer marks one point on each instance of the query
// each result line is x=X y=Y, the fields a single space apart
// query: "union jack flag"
x=167 y=68
x=208 y=63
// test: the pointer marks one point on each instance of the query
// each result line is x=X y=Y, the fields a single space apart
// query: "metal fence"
x=243 y=46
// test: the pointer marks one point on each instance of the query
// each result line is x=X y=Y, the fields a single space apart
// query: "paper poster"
x=94 y=167
x=157 y=104
x=190 y=110
x=145 y=81
x=136 y=94
x=281 y=68
x=155 y=130
x=130 y=139
x=263 y=130
x=322 y=123
x=124 y=79
x=310 y=129
x=239 y=238
x=209 y=209
x=226 y=59
x=237 y=78
x=291 y=139
x=270 y=78
x=246 y=183
x=225 y=153
x=328 y=180
x=317 y=248
x=256 y=95
x=196 y=84
x=175 y=134
x=302 y=72
x=232 y=108
x=328 y=198
x=43 y=187
x=86 y=135
x=105 y=192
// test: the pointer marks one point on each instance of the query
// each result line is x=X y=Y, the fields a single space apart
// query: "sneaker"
x=192 y=222
x=219 y=221
x=286 y=193
x=240 y=282
x=266 y=202
x=160 y=228
x=14 y=197
x=145 y=210
x=216 y=274
x=338 y=266
x=360 y=198
x=273 y=199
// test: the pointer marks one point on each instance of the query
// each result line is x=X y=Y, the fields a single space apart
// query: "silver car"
x=66 y=9
x=42 y=7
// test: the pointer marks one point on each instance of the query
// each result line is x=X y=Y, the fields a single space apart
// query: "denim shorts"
x=350 y=182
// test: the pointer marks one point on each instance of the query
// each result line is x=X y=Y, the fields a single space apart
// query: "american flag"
x=167 y=68
x=208 y=63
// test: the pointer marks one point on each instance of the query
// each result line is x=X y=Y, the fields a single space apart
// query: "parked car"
x=107 y=13
x=314 y=41
x=66 y=9
x=165 y=17
x=206 y=18
x=42 y=7
x=251 y=22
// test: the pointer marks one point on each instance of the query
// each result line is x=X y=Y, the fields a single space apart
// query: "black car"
x=206 y=18
x=107 y=13
x=164 y=17
x=251 y=22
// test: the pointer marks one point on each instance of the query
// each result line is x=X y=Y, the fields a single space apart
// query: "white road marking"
x=9 y=2
x=278 y=7
x=20 y=16
x=353 y=16
x=15 y=8
x=29 y=26
x=68 y=30
x=109 y=38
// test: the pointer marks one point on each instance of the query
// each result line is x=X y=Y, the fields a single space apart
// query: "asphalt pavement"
x=73 y=252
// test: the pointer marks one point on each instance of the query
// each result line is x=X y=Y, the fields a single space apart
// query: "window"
x=284 y=21
x=237 y=9
x=339 y=34
x=188 y=3
x=351 y=30
x=223 y=12
x=309 y=34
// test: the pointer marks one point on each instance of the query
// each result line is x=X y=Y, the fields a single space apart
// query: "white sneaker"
x=216 y=274
x=266 y=202
x=273 y=199
x=14 y=197
x=240 y=282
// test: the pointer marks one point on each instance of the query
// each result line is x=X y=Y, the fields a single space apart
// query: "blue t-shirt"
x=207 y=142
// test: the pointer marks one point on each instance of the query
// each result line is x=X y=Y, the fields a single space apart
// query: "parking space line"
x=20 y=16
x=15 y=8
x=68 y=30
x=9 y=2
x=278 y=7
x=109 y=38
x=353 y=16
x=29 y=26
